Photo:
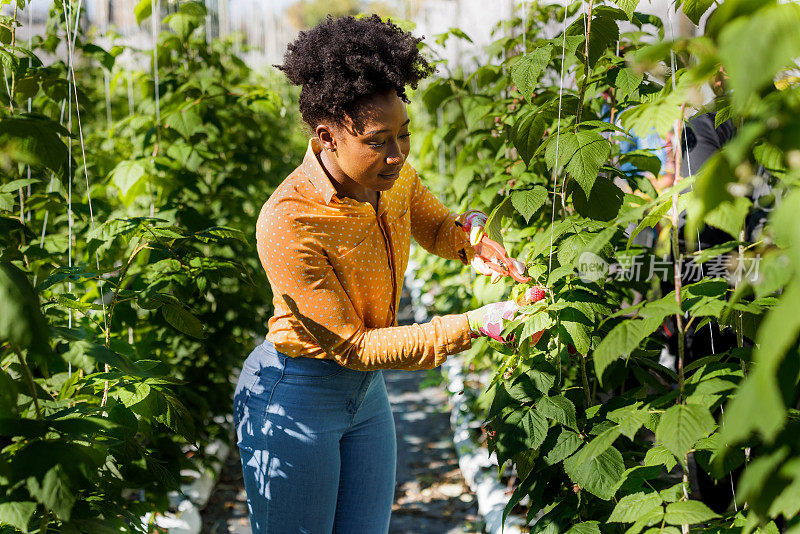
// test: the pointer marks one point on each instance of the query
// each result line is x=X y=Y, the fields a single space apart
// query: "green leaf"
x=682 y=425
x=131 y=394
x=527 y=134
x=21 y=320
x=604 y=202
x=660 y=455
x=80 y=350
x=54 y=491
x=587 y=527
x=535 y=323
x=194 y=9
x=598 y=445
x=642 y=160
x=129 y=176
x=632 y=507
x=220 y=233
x=15 y=185
x=758 y=404
x=186 y=122
x=622 y=340
x=143 y=10
x=526 y=71
x=566 y=443
x=575 y=324
x=170 y=412
x=493 y=223
x=17 y=514
x=582 y=153
x=528 y=201
x=659 y=115
x=570 y=248
x=628 y=81
x=694 y=9
x=183 y=320
x=628 y=6
x=688 y=512
x=630 y=419
x=463 y=178
x=729 y=216
x=754 y=48
x=7 y=201
x=559 y=409
x=651 y=518
x=33 y=142
x=600 y=475
x=603 y=34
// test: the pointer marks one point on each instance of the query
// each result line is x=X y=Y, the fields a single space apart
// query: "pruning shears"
x=478 y=236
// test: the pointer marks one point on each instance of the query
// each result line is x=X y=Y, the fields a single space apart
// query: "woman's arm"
x=300 y=272
x=433 y=225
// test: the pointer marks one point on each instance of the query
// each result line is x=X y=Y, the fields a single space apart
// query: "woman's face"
x=373 y=155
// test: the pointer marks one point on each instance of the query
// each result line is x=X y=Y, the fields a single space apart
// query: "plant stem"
x=677 y=257
x=739 y=326
x=45 y=522
x=585 y=66
x=677 y=278
x=31 y=384
x=585 y=380
x=139 y=247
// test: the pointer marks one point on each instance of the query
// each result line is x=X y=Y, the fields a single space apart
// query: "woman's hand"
x=490 y=320
x=490 y=257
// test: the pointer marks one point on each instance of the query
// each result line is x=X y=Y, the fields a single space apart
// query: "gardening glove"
x=489 y=320
x=490 y=257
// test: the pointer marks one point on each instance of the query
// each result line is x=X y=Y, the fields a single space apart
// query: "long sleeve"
x=433 y=226
x=301 y=273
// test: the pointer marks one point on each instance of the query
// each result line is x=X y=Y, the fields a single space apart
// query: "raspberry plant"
x=603 y=436
x=122 y=321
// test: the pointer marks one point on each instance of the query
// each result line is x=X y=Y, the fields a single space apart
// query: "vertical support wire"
x=155 y=22
x=30 y=100
x=69 y=157
x=558 y=135
x=71 y=47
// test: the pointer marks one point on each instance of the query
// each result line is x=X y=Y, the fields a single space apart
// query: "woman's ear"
x=326 y=137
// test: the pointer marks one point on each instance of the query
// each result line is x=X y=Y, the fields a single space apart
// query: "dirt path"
x=430 y=496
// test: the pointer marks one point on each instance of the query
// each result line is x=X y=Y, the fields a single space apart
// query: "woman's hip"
x=301 y=397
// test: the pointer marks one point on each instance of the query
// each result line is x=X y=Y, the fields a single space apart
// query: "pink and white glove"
x=489 y=320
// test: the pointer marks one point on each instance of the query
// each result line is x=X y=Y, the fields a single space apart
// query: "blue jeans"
x=318 y=445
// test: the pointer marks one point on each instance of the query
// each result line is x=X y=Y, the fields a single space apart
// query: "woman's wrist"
x=474 y=323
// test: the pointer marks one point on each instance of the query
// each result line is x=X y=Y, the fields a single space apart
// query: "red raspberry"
x=534 y=294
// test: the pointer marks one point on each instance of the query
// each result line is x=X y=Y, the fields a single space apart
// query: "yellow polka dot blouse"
x=336 y=270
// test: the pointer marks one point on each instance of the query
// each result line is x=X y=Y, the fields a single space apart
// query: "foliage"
x=603 y=433
x=129 y=290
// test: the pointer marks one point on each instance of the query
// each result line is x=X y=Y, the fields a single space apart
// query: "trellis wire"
x=558 y=134
x=155 y=17
x=30 y=100
x=156 y=20
x=69 y=158
x=71 y=52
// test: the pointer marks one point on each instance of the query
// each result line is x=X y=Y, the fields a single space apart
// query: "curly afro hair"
x=340 y=61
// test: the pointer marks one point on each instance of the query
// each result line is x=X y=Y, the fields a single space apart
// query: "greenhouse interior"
x=470 y=227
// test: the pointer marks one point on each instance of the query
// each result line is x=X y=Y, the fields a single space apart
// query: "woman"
x=314 y=425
